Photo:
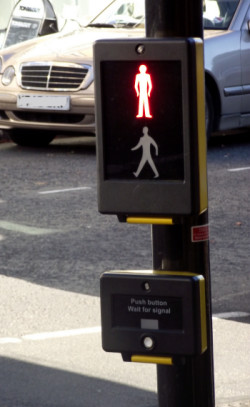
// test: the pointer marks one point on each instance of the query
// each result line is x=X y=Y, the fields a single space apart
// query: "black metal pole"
x=179 y=18
x=191 y=384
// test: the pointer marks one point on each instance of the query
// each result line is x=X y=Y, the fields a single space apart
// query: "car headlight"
x=8 y=75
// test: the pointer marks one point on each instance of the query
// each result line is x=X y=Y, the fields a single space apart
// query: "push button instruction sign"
x=149 y=306
x=147 y=312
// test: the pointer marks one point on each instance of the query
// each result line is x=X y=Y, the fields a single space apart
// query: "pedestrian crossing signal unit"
x=150 y=119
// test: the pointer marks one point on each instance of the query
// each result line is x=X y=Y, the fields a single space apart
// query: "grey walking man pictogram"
x=145 y=142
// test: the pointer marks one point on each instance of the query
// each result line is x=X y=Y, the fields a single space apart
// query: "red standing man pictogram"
x=143 y=87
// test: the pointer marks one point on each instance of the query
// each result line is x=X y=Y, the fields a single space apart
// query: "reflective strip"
x=176 y=273
x=158 y=360
x=151 y=221
x=151 y=272
x=203 y=314
x=202 y=141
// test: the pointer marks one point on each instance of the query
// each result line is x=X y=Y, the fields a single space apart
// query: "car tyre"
x=209 y=114
x=4 y=135
x=31 y=138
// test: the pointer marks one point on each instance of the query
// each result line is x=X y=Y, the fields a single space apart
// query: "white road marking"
x=62 y=334
x=9 y=340
x=28 y=230
x=227 y=315
x=239 y=169
x=50 y=335
x=225 y=297
x=63 y=190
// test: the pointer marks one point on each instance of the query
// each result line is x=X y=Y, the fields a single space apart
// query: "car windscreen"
x=123 y=14
x=217 y=15
x=130 y=14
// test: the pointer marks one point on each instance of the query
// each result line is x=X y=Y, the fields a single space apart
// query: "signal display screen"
x=143 y=120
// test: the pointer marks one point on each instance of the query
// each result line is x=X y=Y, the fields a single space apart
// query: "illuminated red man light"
x=143 y=87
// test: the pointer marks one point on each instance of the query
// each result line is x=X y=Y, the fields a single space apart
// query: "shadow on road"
x=62 y=145
x=25 y=384
x=230 y=138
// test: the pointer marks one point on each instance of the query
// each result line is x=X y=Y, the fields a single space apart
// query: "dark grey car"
x=227 y=65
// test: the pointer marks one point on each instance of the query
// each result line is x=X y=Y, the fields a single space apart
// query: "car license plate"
x=43 y=102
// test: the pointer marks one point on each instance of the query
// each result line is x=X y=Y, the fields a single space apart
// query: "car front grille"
x=53 y=76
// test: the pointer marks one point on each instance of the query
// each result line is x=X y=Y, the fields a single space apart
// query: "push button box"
x=156 y=314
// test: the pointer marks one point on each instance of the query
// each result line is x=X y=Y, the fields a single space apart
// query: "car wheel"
x=209 y=114
x=31 y=138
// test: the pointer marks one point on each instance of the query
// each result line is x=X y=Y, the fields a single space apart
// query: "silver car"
x=47 y=84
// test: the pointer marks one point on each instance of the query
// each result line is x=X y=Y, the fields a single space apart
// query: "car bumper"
x=80 y=117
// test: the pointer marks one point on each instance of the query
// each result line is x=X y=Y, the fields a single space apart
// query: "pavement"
x=231 y=361
x=71 y=365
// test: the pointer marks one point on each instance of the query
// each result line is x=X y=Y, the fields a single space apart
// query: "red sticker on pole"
x=200 y=233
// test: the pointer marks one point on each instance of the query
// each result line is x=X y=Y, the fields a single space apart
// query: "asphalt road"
x=229 y=218
x=54 y=247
